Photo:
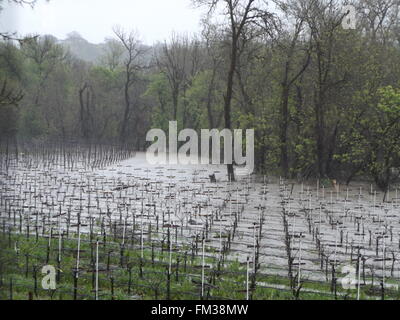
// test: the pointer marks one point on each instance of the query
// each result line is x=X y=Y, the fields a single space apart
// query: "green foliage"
x=160 y=93
x=11 y=75
x=372 y=145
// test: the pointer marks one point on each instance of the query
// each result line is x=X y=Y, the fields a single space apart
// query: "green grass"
x=148 y=280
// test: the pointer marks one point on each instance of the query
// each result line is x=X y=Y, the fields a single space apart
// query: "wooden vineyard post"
x=170 y=256
x=300 y=253
x=130 y=278
x=76 y=272
x=49 y=246
x=358 y=274
x=177 y=269
x=383 y=266
x=168 y=298
x=247 y=278
x=112 y=287
x=220 y=234
x=97 y=270
x=202 y=270
x=35 y=287
x=11 y=289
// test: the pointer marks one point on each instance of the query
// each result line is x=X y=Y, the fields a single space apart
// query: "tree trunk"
x=209 y=100
x=228 y=97
x=126 y=113
x=284 y=128
x=320 y=135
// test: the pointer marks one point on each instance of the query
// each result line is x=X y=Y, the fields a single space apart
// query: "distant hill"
x=81 y=48
x=90 y=52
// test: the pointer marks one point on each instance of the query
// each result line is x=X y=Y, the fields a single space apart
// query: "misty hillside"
x=84 y=50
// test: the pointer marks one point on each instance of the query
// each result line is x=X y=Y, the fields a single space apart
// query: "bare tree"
x=290 y=45
x=240 y=14
x=86 y=103
x=133 y=63
x=214 y=61
x=324 y=19
x=377 y=18
x=173 y=62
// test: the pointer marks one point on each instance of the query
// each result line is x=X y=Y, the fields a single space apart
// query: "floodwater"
x=327 y=227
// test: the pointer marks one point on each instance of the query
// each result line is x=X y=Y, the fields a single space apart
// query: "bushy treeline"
x=324 y=100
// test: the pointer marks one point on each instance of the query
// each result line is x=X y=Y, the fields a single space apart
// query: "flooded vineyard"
x=115 y=227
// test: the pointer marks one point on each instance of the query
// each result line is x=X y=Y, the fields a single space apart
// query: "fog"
x=94 y=19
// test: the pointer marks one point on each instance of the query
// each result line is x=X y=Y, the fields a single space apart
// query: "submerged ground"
x=128 y=230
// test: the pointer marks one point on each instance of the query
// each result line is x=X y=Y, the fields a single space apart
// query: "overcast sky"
x=155 y=20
